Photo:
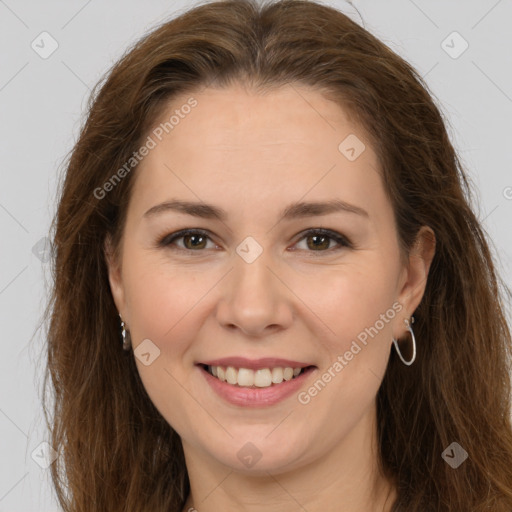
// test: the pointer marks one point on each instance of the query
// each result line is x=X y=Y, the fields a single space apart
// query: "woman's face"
x=254 y=290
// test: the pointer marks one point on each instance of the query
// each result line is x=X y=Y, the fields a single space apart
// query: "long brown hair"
x=117 y=451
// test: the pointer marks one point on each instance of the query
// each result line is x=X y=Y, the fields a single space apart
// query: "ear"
x=115 y=276
x=415 y=274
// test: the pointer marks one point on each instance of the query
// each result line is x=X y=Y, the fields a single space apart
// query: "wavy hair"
x=117 y=451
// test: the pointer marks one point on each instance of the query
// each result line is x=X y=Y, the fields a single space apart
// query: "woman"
x=265 y=211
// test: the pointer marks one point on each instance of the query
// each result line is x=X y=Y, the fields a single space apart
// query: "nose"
x=255 y=299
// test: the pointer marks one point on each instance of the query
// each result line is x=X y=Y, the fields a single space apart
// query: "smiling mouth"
x=261 y=378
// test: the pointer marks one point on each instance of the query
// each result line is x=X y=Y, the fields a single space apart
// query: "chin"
x=258 y=454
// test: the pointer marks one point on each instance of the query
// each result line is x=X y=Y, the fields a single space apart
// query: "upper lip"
x=255 y=364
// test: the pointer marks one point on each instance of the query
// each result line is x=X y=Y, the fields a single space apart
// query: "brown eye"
x=193 y=240
x=319 y=240
x=197 y=241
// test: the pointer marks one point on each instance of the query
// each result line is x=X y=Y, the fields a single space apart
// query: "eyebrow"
x=293 y=211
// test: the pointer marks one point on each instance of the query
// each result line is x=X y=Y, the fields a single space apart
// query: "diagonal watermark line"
x=73 y=17
x=311 y=106
x=13 y=422
x=486 y=14
x=198 y=301
x=165 y=165
x=195 y=400
x=280 y=422
x=481 y=221
x=76 y=75
x=286 y=491
x=14 y=76
x=492 y=81
x=430 y=69
x=14 y=486
x=217 y=486
x=306 y=193
x=301 y=300
x=424 y=13
x=210 y=82
x=12 y=280
x=2 y=2
x=376 y=376
x=14 y=218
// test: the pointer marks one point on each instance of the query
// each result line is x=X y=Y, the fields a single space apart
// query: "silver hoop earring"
x=407 y=363
x=127 y=339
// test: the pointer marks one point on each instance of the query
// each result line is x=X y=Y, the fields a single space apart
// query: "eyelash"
x=167 y=240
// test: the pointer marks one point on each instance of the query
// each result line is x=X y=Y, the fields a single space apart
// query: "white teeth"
x=221 y=374
x=231 y=375
x=288 y=373
x=262 y=378
x=245 y=377
x=277 y=375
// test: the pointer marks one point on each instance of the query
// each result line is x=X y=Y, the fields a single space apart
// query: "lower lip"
x=256 y=397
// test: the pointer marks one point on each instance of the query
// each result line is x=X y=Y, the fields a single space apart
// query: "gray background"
x=41 y=104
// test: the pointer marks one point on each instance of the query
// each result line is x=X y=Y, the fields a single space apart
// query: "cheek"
x=358 y=309
x=361 y=292
x=165 y=308
x=160 y=298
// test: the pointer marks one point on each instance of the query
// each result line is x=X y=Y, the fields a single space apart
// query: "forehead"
x=237 y=115
x=282 y=143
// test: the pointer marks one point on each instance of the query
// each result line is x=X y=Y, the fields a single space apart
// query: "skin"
x=252 y=155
